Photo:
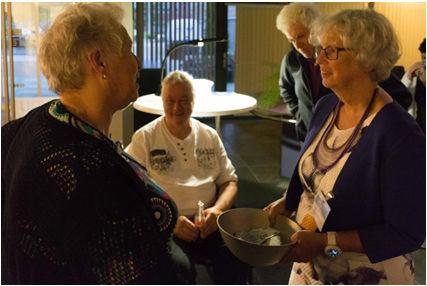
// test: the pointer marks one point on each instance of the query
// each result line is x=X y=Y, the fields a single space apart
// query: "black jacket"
x=73 y=210
x=295 y=89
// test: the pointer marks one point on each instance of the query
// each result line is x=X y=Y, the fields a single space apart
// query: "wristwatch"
x=332 y=250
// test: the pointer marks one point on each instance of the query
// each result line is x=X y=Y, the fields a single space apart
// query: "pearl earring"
x=104 y=76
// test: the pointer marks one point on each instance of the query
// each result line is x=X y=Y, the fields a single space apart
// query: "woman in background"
x=415 y=80
x=75 y=208
x=359 y=187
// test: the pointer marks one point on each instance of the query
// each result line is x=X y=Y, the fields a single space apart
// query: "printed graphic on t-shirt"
x=161 y=160
x=205 y=158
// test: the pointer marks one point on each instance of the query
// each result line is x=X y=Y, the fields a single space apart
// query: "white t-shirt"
x=188 y=170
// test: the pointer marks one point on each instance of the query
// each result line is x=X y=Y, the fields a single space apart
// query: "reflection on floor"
x=253 y=145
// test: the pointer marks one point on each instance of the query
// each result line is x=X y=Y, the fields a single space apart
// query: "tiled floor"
x=253 y=145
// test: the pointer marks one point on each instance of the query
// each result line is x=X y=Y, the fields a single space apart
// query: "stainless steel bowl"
x=243 y=219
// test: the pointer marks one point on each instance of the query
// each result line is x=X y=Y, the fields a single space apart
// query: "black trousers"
x=227 y=269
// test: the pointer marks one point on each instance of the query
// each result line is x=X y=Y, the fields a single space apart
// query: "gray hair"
x=369 y=34
x=75 y=31
x=302 y=13
x=179 y=77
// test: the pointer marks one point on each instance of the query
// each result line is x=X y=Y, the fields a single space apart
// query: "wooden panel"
x=334 y=7
x=409 y=20
x=259 y=47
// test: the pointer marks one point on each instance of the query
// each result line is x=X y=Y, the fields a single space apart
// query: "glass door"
x=24 y=86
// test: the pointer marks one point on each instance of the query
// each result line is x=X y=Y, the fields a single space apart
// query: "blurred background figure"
x=300 y=80
x=415 y=80
x=188 y=159
x=359 y=186
x=75 y=208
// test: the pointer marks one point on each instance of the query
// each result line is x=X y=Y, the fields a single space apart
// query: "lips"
x=324 y=73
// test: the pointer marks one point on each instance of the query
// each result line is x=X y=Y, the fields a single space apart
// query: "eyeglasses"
x=331 y=53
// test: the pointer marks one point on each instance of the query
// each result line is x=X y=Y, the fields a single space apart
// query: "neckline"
x=176 y=138
x=59 y=112
x=366 y=122
x=348 y=145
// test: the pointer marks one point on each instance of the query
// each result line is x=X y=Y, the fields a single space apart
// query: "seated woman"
x=188 y=160
x=359 y=186
x=75 y=208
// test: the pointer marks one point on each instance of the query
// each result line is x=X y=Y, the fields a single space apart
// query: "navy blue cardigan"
x=381 y=190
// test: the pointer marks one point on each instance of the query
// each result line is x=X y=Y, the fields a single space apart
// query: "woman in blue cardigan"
x=359 y=187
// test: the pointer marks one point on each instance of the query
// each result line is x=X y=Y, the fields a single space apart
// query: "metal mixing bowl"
x=243 y=219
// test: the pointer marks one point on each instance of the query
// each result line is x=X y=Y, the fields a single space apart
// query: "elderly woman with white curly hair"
x=359 y=186
x=75 y=208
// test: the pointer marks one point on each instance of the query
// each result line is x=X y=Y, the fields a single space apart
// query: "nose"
x=176 y=107
x=298 y=43
x=138 y=61
x=321 y=58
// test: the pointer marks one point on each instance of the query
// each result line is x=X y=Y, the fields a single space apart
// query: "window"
x=165 y=24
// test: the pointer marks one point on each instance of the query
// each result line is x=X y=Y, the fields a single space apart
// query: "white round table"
x=216 y=104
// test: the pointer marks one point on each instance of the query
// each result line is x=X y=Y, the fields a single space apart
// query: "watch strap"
x=332 y=238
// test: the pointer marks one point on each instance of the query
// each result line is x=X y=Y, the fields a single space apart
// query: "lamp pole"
x=193 y=43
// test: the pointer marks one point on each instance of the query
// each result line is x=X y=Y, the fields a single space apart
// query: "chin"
x=134 y=97
x=180 y=119
x=327 y=83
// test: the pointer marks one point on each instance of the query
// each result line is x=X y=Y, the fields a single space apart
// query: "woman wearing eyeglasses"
x=359 y=186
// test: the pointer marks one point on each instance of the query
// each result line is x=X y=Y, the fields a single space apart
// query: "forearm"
x=227 y=196
x=349 y=241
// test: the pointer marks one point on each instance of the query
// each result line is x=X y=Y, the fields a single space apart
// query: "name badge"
x=320 y=209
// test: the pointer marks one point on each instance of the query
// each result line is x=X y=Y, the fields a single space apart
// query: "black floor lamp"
x=193 y=43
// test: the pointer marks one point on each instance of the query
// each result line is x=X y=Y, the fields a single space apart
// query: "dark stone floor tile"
x=265 y=174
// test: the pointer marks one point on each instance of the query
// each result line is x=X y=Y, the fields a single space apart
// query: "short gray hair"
x=369 y=34
x=302 y=13
x=76 y=30
x=179 y=77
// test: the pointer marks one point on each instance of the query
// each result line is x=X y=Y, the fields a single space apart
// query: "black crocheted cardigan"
x=73 y=210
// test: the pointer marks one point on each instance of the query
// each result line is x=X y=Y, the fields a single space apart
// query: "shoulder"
x=291 y=59
x=150 y=128
x=324 y=106
x=62 y=154
x=21 y=132
x=203 y=129
x=396 y=124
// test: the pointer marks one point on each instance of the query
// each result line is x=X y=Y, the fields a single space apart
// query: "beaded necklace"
x=346 y=146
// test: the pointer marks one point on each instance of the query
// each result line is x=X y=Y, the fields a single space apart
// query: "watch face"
x=332 y=252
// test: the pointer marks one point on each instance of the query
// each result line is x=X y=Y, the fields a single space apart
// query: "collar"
x=58 y=111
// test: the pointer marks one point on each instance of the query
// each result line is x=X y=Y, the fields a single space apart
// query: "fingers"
x=185 y=229
x=209 y=226
x=273 y=211
x=267 y=208
x=416 y=66
x=294 y=236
